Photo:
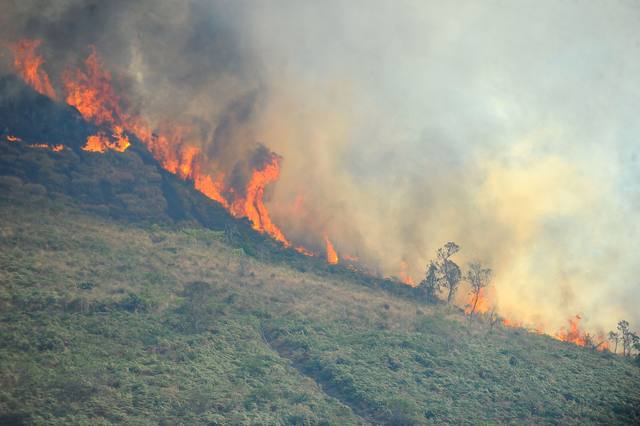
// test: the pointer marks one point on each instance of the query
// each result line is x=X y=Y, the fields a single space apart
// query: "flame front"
x=404 y=275
x=27 y=64
x=573 y=333
x=252 y=204
x=90 y=91
x=101 y=142
x=332 y=255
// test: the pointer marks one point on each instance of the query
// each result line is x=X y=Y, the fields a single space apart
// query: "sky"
x=506 y=126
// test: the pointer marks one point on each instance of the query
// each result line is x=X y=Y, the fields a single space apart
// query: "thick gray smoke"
x=508 y=127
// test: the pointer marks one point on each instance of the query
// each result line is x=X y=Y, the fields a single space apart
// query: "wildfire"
x=101 y=142
x=574 y=335
x=27 y=63
x=54 y=148
x=211 y=188
x=90 y=91
x=305 y=251
x=332 y=256
x=252 y=205
x=482 y=304
x=404 y=275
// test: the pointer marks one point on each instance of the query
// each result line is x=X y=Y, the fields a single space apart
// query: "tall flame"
x=101 y=142
x=90 y=91
x=478 y=304
x=573 y=333
x=404 y=275
x=332 y=255
x=252 y=205
x=27 y=64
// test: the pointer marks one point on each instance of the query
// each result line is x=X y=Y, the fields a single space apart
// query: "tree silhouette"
x=430 y=285
x=478 y=277
x=449 y=271
x=615 y=338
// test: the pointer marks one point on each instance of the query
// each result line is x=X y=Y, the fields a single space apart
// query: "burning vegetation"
x=90 y=89
x=332 y=256
x=28 y=62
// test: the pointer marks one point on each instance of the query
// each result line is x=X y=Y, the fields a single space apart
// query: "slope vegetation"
x=105 y=321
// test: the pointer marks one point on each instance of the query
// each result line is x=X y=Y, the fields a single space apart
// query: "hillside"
x=111 y=321
x=129 y=297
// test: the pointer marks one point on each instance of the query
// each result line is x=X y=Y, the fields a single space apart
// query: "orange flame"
x=11 y=138
x=252 y=205
x=101 y=142
x=90 y=92
x=573 y=333
x=305 y=251
x=27 y=64
x=404 y=275
x=482 y=304
x=332 y=256
x=210 y=188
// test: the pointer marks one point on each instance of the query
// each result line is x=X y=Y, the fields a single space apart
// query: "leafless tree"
x=614 y=338
x=449 y=273
x=625 y=336
x=430 y=286
x=479 y=278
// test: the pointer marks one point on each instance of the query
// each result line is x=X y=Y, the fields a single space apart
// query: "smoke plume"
x=507 y=127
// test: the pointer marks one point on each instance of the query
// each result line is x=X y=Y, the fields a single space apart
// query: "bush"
x=134 y=303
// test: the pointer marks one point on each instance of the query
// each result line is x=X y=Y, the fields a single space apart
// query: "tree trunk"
x=475 y=303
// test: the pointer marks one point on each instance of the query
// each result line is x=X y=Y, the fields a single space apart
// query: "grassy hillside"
x=105 y=321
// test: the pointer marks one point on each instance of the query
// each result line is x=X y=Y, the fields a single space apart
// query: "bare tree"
x=614 y=338
x=478 y=277
x=635 y=342
x=430 y=286
x=449 y=273
x=625 y=335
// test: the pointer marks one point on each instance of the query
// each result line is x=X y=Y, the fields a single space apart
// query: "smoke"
x=508 y=127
